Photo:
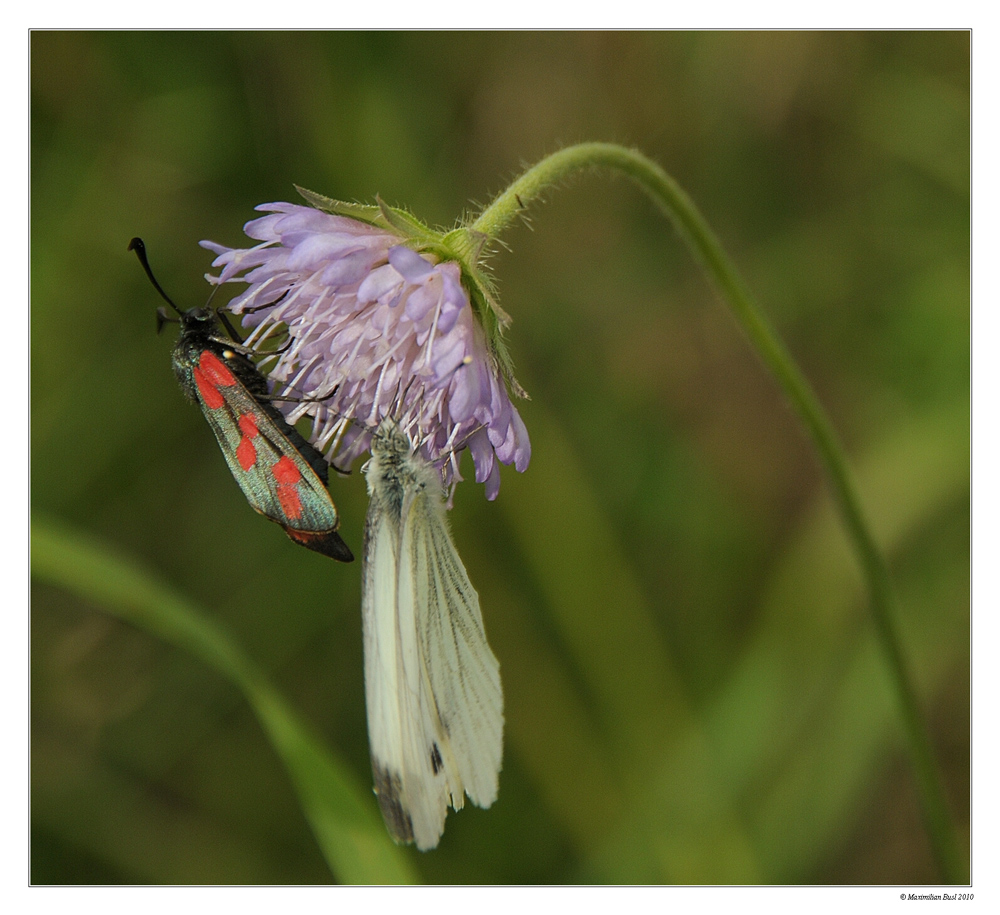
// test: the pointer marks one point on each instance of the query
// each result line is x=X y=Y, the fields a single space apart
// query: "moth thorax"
x=199 y=319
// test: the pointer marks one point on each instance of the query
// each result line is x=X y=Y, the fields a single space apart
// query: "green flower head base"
x=377 y=310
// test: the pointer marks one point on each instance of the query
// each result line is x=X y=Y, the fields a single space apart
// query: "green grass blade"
x=344 y=820
x=807 y=720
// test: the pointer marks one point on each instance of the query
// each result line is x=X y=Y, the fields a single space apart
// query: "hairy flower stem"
x=680 y=210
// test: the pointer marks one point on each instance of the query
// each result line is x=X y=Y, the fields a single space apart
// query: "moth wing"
x=461 y=671
x=402 y=724
x=301 y=501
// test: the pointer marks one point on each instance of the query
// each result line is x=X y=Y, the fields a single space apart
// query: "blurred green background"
x=693 y=693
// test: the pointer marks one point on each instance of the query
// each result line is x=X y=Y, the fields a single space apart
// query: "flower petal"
x=410 y=265
x=373 y=329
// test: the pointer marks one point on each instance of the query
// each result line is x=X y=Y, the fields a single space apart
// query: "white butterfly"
x=432 y=685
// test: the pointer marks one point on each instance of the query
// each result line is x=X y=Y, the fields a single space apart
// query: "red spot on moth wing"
x=285 y=471
x=288 y=476
x=209 y=393
x=248 y=425
x=246 y=453
x=210 y=374
x=291 y=504
x=215 y=369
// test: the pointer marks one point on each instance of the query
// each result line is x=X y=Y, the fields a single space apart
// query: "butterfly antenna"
x=139 y=247
x=400 y=399
x=464 y=443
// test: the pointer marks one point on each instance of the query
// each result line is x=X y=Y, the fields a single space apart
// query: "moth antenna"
x=139 y=247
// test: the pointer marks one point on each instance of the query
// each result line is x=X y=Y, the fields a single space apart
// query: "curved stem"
x=678 y=207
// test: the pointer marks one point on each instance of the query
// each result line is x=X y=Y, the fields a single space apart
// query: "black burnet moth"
x=283 y=477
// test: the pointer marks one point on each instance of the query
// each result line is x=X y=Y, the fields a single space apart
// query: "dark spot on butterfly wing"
x=388 y=788
x=436 y=762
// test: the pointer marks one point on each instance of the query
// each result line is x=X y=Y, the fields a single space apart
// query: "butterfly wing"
x=461 y=671
x=402 y=725
x=432 y=685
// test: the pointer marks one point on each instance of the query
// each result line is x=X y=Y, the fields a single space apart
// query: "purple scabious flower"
x=389 y=331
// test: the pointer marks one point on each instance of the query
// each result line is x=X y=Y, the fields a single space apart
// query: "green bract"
x=463 y=245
